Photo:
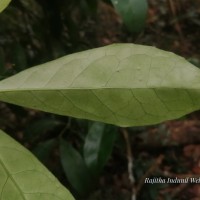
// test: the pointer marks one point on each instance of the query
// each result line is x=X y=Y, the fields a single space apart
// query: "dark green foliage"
x=133 y=13
x=75 y=168
x=98 y=146
x=83 y=167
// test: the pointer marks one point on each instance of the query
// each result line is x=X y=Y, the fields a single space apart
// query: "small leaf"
x=43 y=150
x=92 y=145
x=98 y=146
x=23 y=177
x=133 y=13
x=107 y=142
x=121 y=84
x=75 y=168
x=4 y=4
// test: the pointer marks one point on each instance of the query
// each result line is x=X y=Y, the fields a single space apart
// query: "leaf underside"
x=23 y=177
x=121 y=84
x=4 y=4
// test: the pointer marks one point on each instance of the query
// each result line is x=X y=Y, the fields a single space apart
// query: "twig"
x=174 y=13
x=177 y=190
x=149 y=172
x=130 y=163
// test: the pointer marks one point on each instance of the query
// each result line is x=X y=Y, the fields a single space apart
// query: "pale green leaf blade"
x=23 y=177
x=121 y=84
x=4 y=4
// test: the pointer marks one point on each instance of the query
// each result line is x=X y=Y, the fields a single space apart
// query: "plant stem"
x=130 y=163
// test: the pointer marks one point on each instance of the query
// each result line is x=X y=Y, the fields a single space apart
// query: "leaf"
x=133 y=13
x=43 y=150
x=98 y=146
x=4 y=4
x=75 y=168
x=121 y=84
x=23 y=177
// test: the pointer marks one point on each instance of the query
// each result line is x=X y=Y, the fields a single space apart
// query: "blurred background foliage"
x=90 y=158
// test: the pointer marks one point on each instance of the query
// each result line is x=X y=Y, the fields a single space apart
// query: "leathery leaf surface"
x=121 y=84
x=4 y=4
x=23 y=177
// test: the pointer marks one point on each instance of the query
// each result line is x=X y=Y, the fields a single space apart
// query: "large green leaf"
x=122 y=84
x=23 y=177
x=4 y=4
x=133 y=13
